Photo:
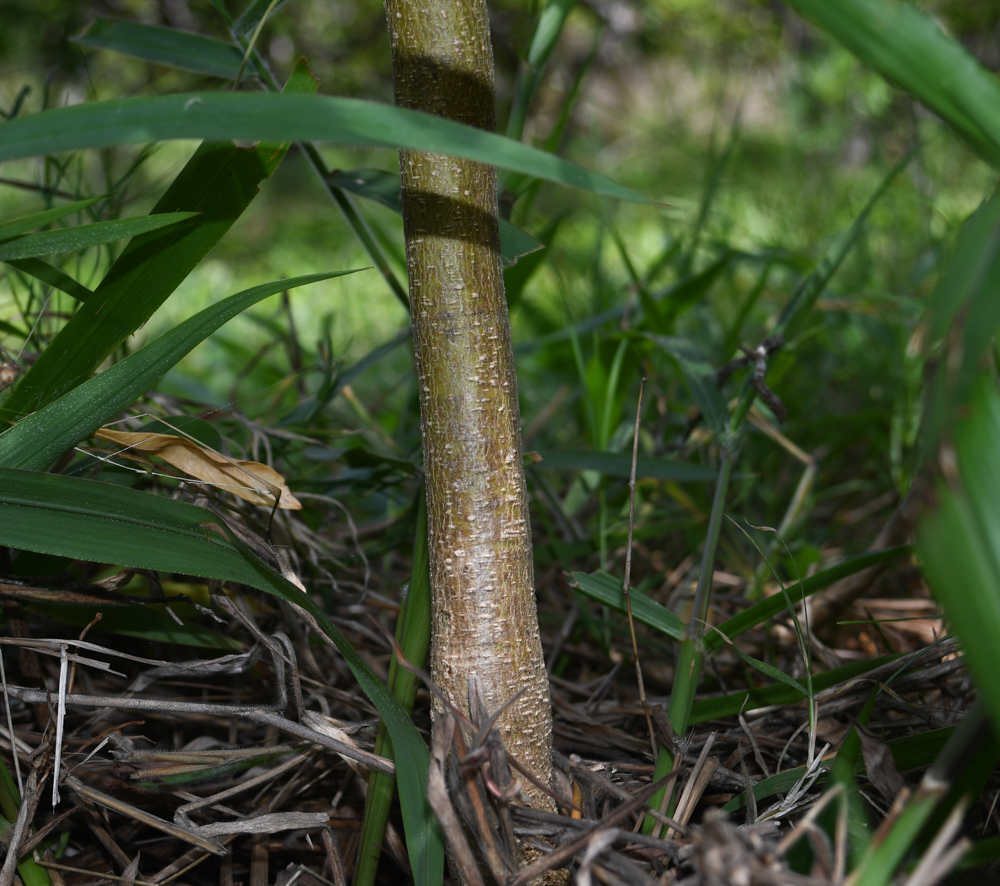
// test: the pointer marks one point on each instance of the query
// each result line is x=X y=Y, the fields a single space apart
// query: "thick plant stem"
x=484 y=619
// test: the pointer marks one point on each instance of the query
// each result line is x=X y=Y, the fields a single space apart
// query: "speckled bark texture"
x=484 y=613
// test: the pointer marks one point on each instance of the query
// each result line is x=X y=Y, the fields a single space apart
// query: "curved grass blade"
x=905 y=44
x=607 y=589
x=722 y=706
x=40 y=219
x=812 y=287
x=616 y=464
x=964 y=311
x=38 y=440
x=164 y=46
x=671 y=301
x=88 y=520
x=84 y=236
x=52 y=276
x=277 y=118
x=413 y=634
x=548 y=27
x=959 y=543
x=219 y=181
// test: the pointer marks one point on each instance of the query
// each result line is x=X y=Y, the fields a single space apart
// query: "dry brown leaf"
x=250 y=480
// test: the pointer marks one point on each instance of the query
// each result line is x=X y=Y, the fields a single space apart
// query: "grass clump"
x=814 y=313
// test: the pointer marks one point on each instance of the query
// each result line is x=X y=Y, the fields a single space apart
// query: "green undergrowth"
x=790 y=192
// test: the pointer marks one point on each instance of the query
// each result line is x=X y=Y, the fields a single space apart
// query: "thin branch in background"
x=626 y=585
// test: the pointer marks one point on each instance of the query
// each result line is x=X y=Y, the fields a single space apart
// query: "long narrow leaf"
x=219 y=182
x=964 y=310
x=812 y=287
x=36 y=441
x=84 y=236
x=40 y=219
x=52 y=276
x=607 y=589
x=959 y=543
x=413 y=634
x=276 y=118
x=909 y=48
x=164 y=46
x=84 y=519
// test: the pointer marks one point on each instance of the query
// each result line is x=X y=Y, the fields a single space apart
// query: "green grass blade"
x=607 y=589
x=970 y=746
x=909 y=752
x=716 y=171
x=382 y=186
x=812 y=287
x=276 y=118
x=219 y=182
x=548 y=27
x=40 y=219
x=254 y=14
x=964 y=309
x=905 y=44
x=36 y=441
x=88 y=520
x=959 y=543
x=617 y=464
x=84 y=236
x=699 y=375
x=769 y=670
x=164 y=46
x=748 y=700
x=678 y=297
x=52 y=276
x=413 y=634
x=32 y=873
x=766 y=609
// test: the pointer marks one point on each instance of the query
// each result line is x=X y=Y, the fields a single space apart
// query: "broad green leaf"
x=278 y=118
x=84 y=236
x=905 y=44
x=52 y=276
x=383 y=187
x=164 y=46
x=38 y=440
x=88 y=520
x=959 y=543
x=619 y=464
x=218 y=182
x=964 y=310
x=40 y=219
